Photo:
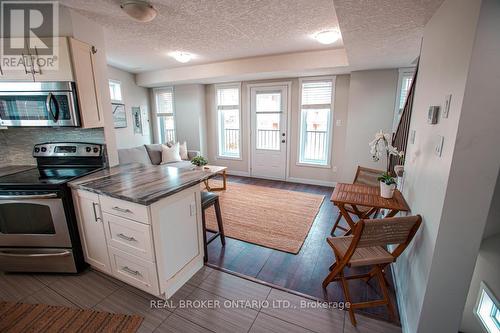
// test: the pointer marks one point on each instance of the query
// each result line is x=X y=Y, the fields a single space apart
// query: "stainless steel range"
x=38 y=229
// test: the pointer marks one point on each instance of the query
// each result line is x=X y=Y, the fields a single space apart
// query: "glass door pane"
x=268 y=108
x=26 y=218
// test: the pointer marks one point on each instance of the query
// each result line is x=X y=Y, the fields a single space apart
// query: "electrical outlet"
x=438 y=148
x=413 y=133
x=447 y=103
x=338 y=122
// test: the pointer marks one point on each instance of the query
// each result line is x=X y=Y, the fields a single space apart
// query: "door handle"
x=283 y=141
x=97 y=218
x=31 y=255
x=127 y=238
x=35 y=196
x=122 y=210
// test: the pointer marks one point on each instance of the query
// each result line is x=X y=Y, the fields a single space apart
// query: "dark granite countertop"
x=139 y=183
x=10 y=169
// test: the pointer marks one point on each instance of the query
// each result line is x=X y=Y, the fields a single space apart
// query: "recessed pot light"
x=181 y=56
x=139 y=10
x=327 y=36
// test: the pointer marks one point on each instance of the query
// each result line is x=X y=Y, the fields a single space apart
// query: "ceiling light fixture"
x=181 y=56
x=327 y=36
x=139 y=10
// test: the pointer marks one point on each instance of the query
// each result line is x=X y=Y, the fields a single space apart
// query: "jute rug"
x=21 y=317
x=270 y=217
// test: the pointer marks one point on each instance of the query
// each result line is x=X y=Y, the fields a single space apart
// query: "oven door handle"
x=35 y=196
x=31 y=255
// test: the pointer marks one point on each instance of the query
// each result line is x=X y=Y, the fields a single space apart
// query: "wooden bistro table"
x=355 y=195
x=216 y=170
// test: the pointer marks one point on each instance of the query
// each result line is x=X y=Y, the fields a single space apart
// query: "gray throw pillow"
x=133 y=155
x=154 y=152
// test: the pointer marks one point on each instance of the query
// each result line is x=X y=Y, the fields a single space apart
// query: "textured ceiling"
x=383 y=33
x=214 y=30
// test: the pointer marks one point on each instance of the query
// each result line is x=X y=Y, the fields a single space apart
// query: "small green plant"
x=386 y=178
x=199 y=161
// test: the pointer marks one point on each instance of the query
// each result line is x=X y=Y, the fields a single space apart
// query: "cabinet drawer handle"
x=123 y=210
x=128 y=238
x=131 y=271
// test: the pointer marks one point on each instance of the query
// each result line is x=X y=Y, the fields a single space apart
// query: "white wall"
x=372 y=95
x=132 y=95
x=452 y=192
x=190 y=120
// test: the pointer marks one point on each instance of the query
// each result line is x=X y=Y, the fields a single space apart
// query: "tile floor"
x=98 y=291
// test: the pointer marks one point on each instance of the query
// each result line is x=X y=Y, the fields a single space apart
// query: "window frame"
x=483 y=288
x=301 y=130
x=112 y=81
x=218 y=121
x=157 y=115
x=402 y=72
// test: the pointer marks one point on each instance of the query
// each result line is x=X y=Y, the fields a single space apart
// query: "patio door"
x=269 y=116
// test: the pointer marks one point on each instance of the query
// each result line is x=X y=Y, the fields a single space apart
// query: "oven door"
x=33 y=219
x=52 y=108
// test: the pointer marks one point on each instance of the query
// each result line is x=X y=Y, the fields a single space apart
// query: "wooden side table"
x=216 y=170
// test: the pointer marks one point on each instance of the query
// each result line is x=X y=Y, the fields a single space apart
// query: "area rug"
x=21 y=317
x=274 y=218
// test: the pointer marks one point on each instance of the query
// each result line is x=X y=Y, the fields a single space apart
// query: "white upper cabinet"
x=87 y=86
x=28 y=64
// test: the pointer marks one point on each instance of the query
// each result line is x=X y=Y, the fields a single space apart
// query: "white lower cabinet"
x=155 y=248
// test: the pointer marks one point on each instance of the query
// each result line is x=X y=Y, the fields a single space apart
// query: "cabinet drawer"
x=126 y=209
x=134 y=271
x=129 y=236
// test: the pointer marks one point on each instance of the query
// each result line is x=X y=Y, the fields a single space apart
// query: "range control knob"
x=37 y=150
x=96 y=150
x=44 y=149
x=88 y=149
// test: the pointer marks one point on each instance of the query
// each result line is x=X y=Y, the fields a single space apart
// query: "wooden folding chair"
x=365 y=176
x=367 y=247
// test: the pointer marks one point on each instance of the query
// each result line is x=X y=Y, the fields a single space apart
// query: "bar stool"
x=207 y=200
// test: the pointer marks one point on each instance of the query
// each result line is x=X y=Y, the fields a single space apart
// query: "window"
x=165 y=114
x=488 y=310
x=115 y=91
x=315 y=121
x=228 y=121
x=404 y=85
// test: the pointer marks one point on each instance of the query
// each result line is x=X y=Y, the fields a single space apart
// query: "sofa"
x=151 y=154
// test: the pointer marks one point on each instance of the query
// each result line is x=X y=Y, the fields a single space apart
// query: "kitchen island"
x=142 y=224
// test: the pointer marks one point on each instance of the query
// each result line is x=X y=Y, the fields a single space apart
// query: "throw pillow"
x=170 y=154
x=183 y=151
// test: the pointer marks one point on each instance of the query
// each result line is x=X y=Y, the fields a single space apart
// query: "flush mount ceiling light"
x=327 y=36
x=181 y=56
x=141 y=11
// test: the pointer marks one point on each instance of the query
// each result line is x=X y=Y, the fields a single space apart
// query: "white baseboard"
x=238 y=173
x=311 y=181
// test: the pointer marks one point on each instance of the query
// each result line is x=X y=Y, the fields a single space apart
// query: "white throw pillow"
x=170 y=154
x=183 y=151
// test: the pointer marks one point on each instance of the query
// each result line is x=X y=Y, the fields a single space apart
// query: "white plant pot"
x=387 y=191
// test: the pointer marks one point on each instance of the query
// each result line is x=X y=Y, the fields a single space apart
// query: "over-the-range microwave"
x=38 y=104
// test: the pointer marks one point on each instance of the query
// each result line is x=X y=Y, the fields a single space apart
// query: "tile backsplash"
x=16 y=143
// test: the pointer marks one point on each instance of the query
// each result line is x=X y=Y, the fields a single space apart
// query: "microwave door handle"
x=48 y=104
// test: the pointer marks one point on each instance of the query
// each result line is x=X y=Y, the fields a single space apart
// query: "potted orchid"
x=382 y=143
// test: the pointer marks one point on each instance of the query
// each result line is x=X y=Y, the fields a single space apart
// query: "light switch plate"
x=413 y=134
x=334 y=168
x=447 y=103
x=338 y=122
x=438 y=148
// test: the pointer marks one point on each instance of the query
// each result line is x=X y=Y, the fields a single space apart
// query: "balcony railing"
x=231 y=142
x=268 y=139
x=315 y=146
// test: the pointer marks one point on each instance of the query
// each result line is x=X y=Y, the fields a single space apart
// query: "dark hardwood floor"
x=305 y=271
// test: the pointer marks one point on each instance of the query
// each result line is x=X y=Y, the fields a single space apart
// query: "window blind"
x=165 y=101
x=317 y=93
